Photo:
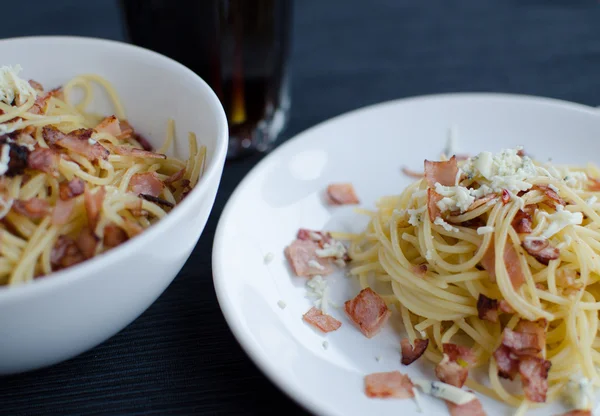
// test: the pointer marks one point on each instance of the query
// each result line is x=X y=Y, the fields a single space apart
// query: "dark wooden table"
x=179 y=357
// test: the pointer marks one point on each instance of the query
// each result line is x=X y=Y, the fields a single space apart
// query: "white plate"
x=367 y=147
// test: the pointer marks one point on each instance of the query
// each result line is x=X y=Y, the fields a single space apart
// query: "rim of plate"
x=267 y=366
x=64 y=277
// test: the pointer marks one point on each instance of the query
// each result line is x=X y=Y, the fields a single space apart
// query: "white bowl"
x=59 y=316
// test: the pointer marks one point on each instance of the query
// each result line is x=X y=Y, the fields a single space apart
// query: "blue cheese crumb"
x=445 y=391
x=325 y=345
x=281 y=304
x=268 y=257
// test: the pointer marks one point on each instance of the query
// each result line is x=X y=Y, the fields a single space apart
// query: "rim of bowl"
x=212 y=173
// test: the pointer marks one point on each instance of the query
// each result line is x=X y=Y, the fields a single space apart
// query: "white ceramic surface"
x=367 y=147
x=62 y=315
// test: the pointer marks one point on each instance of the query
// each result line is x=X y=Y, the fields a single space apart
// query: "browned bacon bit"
x=578 y=412
x=392 y=384
x=480 y=201
x=77 y=141
x=550 y=194
x=44 y=160
x=455 y=352
x=432 y=204
x=530 y=209
x=443 y=173
x=58 y=93
x=505 y=306
x=321 y=321
x=460 y=158
x=303 y=259
x=537 y=328
x=126 y=129
x=34 y=208
x=65 y=253
x=472 y=408
x=135 y=152
x=146 y=183
x=109 y=125
x=411 y=173
x=411 y=353
x=505 y=196
x=71 y=189
x=540 y=249
x=342 y=194
x=36 y=86
x=113 y=236
x=521 y=343
x=451 y=372
x=62 y=211
x=511 y=262
x=175 y=177
x=93 y=205
x=487 y=308
x=507 y=362
x=368 y=311
x=143 y=142
x=157 y=200
x=87 y=242
x=534 y=376
x=522 y=222
x=420 y=269
x=594 y=185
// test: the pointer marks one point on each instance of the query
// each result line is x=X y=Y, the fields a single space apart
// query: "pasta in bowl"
x=103 y=195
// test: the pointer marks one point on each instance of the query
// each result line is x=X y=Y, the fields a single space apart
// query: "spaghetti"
x=75 y=184
x=433 y=251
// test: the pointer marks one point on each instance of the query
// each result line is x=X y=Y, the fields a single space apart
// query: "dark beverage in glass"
x=239 y=47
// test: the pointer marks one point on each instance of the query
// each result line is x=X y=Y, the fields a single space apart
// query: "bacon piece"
x=62 y=211
x=443 y=173
x=93 y=205
x=432 y=204
x=550 y=194
x=505 y=306
x=472 y=408
x=537 y=328
x=540 y=249
x=87 y=242
x=146 y=183
x=507 y=362
x=456 y=352
x=387 y=385
x=411 y=353
x=368 y=311
x=321 y=321
x=522 y=222
x=451 y=372
x=534 y=376
x=487 y=308
x=521 y=343
x=505 y=196
x=143 y=142
x=44 y=160
x=411 y=173
x=511 y=261
x=110 y=125
x=303 y=259
x=36 y=86
x=65 y=253
x=157 y=200
x=71 y=189
x=480 y=201
x=175 y=177
x=317 y=236
x=34 y=208
x=135 y=152
x=77 y=141
x=126 y=130
x=113 y=236
x=342 y=194
x=18 y=159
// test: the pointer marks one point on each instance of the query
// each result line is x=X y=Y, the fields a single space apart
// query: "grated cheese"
x=92 y=141
x=439 y=221
x=488 y=229
x=281 y=304
x=268 y=257
x=12 y=88
x=559 y=220
x=334 y=249
x=318 y=291
x=445 y=391
x=5 y=207
x=315 y=265
x=4 y=158
x=415 y=215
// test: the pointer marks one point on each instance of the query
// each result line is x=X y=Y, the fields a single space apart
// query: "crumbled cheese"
x=315 y=265
x=281 y=304
x=445 y=391
x=4 y=158
x=92 y=141
x=5 y=207
x=579 y=392
x=269 y=257
x=419 y=194
x=325 y=345
x=415 y=215
x=439 y=221
x=318 y=291
x=340 y=262
x=591 y=200
x=488 y=229
x=455 y=197
x=560 y=219
x=12 y=88
x=575 y=179
x=334 y=249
